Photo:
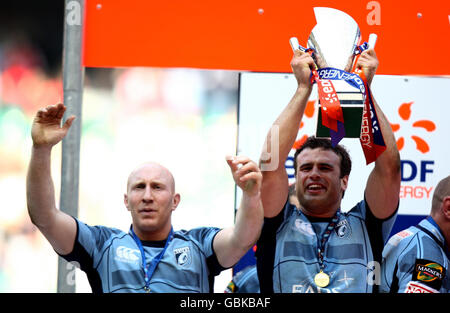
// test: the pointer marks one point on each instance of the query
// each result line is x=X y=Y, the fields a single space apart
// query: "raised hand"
x=46 y=130
x=368 y=63
x=246 y=174
x=302 y=63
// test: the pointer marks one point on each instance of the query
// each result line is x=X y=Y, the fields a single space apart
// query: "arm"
x=58 y=227
x=274 y=190
x=230 y=244
x=412 y=269
x=383 y=184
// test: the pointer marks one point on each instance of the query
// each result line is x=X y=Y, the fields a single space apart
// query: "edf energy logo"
x=404 y=112
x=412 y=138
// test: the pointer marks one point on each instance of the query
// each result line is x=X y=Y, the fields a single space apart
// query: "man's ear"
x=344 y=182
x=175 y=201
x=446 y=208
x=125 y=201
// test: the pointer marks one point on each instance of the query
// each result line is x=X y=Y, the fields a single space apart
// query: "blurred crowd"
x=182 y=118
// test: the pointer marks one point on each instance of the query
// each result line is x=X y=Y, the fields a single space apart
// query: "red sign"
x=254 y=35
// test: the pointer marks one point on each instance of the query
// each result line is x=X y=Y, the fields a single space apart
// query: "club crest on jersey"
x=343 y=229
x=183 y=256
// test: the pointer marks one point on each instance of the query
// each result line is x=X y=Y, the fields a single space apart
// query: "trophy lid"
x=334 y=37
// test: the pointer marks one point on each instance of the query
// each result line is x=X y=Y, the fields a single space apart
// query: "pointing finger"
x=231 y=163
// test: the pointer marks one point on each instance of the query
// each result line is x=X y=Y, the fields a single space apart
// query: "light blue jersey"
x=287 y=256
x=113 y=263
x=416 y=261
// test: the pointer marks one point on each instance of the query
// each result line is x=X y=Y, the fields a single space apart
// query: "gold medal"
x=321 y=279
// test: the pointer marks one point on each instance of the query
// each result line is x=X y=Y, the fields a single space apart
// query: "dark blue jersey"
x=112 y=260
x=416 y=261
x=287 y=257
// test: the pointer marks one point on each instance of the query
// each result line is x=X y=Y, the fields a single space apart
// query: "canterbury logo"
x=127 y=254
x=404 y=111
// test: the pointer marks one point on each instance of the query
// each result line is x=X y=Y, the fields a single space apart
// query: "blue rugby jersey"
x=416 y=261
x=112 y=261
x=287 y=258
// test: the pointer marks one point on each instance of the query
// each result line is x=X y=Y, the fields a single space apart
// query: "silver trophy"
x=334 y=39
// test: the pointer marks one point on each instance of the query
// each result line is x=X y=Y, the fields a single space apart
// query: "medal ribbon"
x=150 y=269
x=326 y=235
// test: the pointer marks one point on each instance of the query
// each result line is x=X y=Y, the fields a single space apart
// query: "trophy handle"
x=372 y=41
x=294 y=44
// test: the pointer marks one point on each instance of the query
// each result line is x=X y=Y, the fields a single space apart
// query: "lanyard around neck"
x=150 y=269
x=326 y=235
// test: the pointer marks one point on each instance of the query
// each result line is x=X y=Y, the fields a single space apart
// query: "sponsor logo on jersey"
x=304 y=227
x=395 y=240
x=429 y=273
x=183 y=256
x=311 y=288
x=128 y=255
x=416 y=287
x=404 y=233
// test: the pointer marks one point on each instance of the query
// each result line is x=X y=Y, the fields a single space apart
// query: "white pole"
x=73 y=74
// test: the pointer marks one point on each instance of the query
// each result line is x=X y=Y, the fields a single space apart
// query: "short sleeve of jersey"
x=90 y=240
x=203 y=237
x=90 y=244
x=374 y=224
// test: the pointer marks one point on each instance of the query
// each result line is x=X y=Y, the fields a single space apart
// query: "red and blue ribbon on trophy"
x=371 y=136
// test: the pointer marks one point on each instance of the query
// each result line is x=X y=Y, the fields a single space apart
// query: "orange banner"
x=244 y=35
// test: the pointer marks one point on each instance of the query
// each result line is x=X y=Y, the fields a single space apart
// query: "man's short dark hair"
x=441 y=191
x=324 y=143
